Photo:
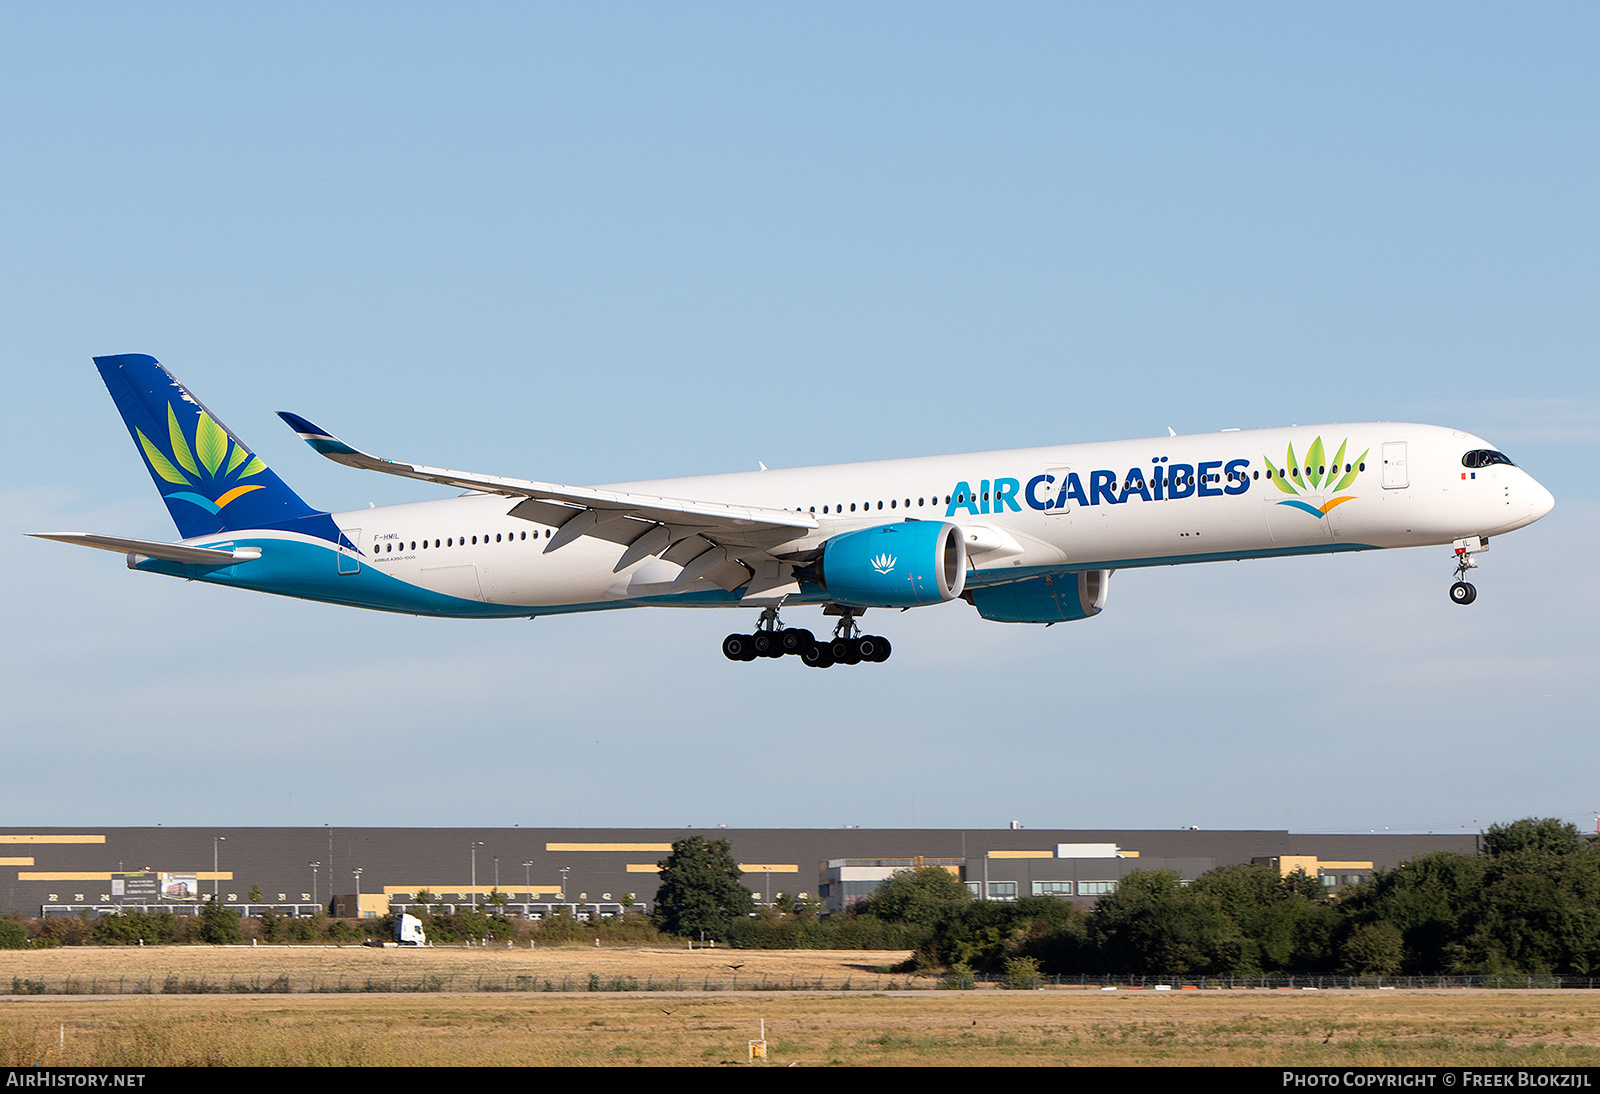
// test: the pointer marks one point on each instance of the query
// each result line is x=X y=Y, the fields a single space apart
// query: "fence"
x=511 y=982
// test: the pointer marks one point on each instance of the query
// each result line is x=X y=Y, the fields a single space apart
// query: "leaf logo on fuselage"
x=1297 y=479
x=212 y=464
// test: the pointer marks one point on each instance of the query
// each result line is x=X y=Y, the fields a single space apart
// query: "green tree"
x=700 y=890
x=1539 y=908
x=984 y=934
x=923 y=895
x=1283 y=923
x=219 y=925
x=1373 y=949
x=1153 y=924
x=13 y=934
x=1433 y=901
x=254 y=895
x=1546 y=835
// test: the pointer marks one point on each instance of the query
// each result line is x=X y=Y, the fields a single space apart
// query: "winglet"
x=318 y=438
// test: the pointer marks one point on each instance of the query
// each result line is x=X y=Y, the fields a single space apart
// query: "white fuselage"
x=1022 y=512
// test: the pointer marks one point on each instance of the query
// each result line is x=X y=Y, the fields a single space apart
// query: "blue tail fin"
x=210 y=481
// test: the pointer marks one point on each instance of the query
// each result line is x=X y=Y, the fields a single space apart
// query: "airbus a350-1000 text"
x=1025 y=536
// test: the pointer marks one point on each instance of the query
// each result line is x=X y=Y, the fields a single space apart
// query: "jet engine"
x=1052 y=598
x=901 y=565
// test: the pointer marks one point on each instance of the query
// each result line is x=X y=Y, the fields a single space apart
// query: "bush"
x=1022 y=974
x=219 y=924
x=13 y=935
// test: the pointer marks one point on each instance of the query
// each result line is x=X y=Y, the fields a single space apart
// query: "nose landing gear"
x=1464 y=592
x=771 y=639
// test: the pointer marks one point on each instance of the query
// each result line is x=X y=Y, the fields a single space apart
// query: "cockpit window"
x=1483 y=457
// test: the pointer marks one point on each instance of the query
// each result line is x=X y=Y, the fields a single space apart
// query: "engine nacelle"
x=901 y=565
x=1053 y=598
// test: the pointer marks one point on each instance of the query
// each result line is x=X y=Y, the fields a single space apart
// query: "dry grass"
x=107 y=968
x=1280 y=1028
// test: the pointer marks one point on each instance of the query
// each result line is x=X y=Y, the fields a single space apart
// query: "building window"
x=1052 y=888
x=1096 y=888
x=1002 y=890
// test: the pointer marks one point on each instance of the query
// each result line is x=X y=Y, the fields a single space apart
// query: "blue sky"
x=607 y=242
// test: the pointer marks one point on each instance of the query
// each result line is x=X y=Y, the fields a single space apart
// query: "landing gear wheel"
x=794 y=640
x=765 y=643
x=818 y=655
x=874 y=647
x=738 y=647
x=846 y=651
x=1463 y=593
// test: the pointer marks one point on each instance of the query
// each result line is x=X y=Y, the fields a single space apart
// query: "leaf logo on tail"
x=212 y=464
x=1296 y=479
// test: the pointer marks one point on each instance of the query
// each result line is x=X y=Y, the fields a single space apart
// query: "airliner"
x=1029 y=535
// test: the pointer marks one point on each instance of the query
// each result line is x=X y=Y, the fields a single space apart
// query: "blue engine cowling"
x=901 y=565
x=1053 y=598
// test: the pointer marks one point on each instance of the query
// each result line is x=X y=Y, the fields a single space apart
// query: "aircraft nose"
x=1541 y=500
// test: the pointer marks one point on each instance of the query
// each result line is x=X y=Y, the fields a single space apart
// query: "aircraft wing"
x=578 y=510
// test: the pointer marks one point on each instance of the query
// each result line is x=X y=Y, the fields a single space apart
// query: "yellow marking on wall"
x=1288 y=864
x=78 y=875
x=1022 y=854
x=16 y=861
x=52 y=839
x=763 y=867
x=642 y=868
x=608 y=847
x=1345 y=865
x=436 y=890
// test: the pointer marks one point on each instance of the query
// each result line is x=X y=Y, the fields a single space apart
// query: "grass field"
x=129 y=969
x=1255 y=1027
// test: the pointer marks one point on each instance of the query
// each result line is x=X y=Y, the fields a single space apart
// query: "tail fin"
x=210 y=481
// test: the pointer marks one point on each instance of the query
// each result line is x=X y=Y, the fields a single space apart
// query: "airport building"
x=366 y=872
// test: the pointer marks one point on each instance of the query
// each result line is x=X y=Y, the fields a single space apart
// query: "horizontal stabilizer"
x=172 y=552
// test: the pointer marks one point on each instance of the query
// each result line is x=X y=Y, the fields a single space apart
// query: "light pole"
x=564 y=871
x=356 y=873
x=527 y=869
x=214 y=842
x=474 y=848
x=313 y=866
x=497 y=873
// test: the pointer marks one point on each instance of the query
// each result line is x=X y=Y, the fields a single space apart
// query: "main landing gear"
x=1464 y=592
x=771 y=639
